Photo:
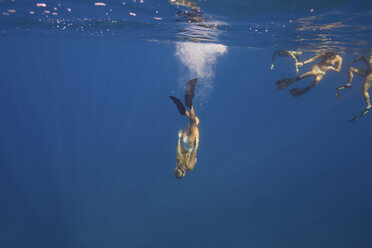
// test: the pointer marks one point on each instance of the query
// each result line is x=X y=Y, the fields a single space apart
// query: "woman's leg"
x=298 y=92
x=366 y=85
x=360 y=71
x=285 y=83
x=294 y=57
x=191 y=115
x=307 y=74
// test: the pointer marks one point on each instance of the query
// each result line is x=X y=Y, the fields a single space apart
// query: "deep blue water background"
x=88 y=145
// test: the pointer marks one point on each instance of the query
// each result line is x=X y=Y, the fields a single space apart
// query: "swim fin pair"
x=189 y=94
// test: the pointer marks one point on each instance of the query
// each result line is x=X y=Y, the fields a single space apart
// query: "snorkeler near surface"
x=284 y=53
x=329 y=60
x=194 y=15
x=188 y=141
x=367 y=74
x=185 y=3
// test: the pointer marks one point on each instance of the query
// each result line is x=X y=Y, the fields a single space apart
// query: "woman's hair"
x=330 y=54
x=178 y=173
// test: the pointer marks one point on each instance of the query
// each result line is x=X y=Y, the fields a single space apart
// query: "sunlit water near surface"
x=88 y=133
x=308 y=25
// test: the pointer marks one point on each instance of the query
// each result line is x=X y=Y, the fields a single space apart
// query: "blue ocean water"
x=88 y=133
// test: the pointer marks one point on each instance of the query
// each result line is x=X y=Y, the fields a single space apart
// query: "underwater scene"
x=177 y=123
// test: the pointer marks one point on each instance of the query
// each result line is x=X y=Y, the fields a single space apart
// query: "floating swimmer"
x=284 y=53
x=367 y=74
x=195 y=17
x=188 y=141
x=328 y=62
x=185 y=3
x=192 y=15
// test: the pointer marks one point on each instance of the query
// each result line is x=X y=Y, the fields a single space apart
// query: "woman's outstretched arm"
x=192 y=161
x=310 y=60
x=179 y=150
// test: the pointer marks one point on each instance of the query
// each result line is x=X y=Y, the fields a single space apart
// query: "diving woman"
x=188 y=140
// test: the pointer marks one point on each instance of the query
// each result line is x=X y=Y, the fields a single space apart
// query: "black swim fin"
x=179 y=104
x=297 y=92
x=285 y=83
x=360 y=115
x=189 y=92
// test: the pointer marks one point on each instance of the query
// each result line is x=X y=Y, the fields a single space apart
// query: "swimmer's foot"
x=180 y=132
x=297 y=92
x=361 y=114
x=285 y=83
x=346 y=86
x=179 y=105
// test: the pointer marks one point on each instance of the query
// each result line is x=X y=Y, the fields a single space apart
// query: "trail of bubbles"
x=199 y=59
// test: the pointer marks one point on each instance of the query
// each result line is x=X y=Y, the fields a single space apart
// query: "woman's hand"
x=330 y=68
x=300 y=64
x=180 y=132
